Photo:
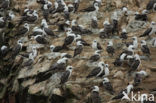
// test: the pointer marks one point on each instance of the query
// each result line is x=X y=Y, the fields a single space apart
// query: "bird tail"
x=141 y=35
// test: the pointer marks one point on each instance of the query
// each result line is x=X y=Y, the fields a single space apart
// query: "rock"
x=135 y=26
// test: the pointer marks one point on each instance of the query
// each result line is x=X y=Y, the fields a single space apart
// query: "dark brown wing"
x=78 y=50
x=99 y=46
x=94 y=72
x=146 y=33
x=65 y=77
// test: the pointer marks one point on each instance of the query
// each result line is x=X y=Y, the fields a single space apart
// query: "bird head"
x=144 y=12
x=26 y=25
x=137 y=57
x=124 y=30
x=73 y=22
x=124 y=9
x=106 y=65
x=143 y=42
x=69 y=68
x=1 y=19
x=94 y=18
x=95 y=89
x=106 y=22
x=94 y=41
x=153 y=23
x=105 y=80
x=79 y=43
x=97 y=52
x=136 y=13
x=101 y=64
x=131 y=48
x=110 y=43
x=134 y=38
x=52 y=47
x=3 y=47
x=45 y=7
x=67 y=22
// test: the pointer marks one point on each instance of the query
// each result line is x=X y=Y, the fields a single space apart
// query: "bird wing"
x=65 y=77
x=110 y=49
x=41 y=40
x=94 y=72
x=49 y=32
x=146 y=32
x=99 y=46
x=145 y=49
x=95 y=97
x=89 y=9
x=78 y=50
x=94 y=58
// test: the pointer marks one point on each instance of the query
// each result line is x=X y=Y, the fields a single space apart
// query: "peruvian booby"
x=108 y=86
x=150 y=4
x=97 y=71
x=92 y=8
x=78 y=49
x=29 y=17
x=40 y=39
x=122 y=93
x=46 y=29
x=68 y=40
x=110 y=49
x=78 y=38
x=105 y=72
x=4 y=51
x=135 y=65
x=76 y=5
x=94 y=23
x=151 y=30
x=94 y=97
x=55 y=48
x=144 y=47
x=95 y=57
x=141 y=17
x=124 y=34
x=66 y=74
x=5 y=4
x=96 y=45
x=24 y=30
x=2 y=22
x=17 y=49
x=115 y=24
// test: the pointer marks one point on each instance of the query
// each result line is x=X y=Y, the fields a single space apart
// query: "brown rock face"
x=39 y=84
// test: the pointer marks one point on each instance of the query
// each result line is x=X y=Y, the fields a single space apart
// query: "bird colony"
x=77 y=51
